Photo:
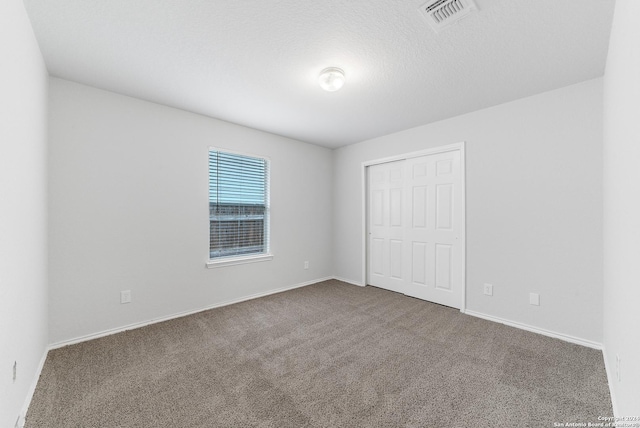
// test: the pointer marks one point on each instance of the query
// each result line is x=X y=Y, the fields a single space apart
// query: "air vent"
x=442 y=13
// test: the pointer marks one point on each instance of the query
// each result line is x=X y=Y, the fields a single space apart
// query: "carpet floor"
x=325 y=355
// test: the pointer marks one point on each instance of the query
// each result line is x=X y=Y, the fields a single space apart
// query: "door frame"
x=365 y=212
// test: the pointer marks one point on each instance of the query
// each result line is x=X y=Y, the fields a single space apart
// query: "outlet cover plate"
x=125 y=296
x=534 y=299
x=488 y=289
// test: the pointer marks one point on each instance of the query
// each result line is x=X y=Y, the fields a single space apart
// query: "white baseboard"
x=32 y=389
x=555 y=335
x=349 y=281
x=611 y=378
x=180 y=314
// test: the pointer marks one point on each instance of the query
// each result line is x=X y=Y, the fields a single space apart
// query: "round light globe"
x=331 y=79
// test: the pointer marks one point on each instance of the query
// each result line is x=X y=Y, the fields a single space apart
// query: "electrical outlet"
x=534 y=299
x=125 y=296
x=618 y=367
x=488 y=289
x=15 y=371
x=306 y=264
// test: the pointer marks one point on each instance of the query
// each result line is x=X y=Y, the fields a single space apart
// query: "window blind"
x=238 y=205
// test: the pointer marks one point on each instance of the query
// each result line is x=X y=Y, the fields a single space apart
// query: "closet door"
x=434 y=227
x=415 y=220
x=387 y=228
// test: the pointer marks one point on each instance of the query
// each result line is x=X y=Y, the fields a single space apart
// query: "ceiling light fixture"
x=331 y=79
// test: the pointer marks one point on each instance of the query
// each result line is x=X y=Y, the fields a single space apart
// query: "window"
x=238 y=208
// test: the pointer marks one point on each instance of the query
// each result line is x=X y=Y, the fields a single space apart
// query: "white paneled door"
x=415 y=227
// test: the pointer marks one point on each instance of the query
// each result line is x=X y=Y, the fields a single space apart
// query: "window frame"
x=244 y=258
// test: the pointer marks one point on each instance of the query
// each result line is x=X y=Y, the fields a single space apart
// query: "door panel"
x=419 y=206
x=377 y=256
x=395 y=206
x=443 y=206
x=443 y=266
x=418 y=265
x=444 y=167
x=395 y=255
x=377 y=207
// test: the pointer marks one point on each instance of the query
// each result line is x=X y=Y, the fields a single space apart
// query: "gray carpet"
x=326 y=355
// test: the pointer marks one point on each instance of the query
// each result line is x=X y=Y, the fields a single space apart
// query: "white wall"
x=534 y=206
x=129 y=211
x=23 y=209
x=622 y=207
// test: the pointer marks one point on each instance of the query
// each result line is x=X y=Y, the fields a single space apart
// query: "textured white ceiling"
x=256 y=62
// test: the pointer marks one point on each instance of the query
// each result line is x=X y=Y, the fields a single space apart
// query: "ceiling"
x=256 y=62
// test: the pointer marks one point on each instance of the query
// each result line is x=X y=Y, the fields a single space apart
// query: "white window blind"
x=238 y=205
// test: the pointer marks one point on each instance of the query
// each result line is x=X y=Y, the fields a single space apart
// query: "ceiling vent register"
x=442 y=13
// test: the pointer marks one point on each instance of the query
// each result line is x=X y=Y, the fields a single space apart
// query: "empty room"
x=343 y=213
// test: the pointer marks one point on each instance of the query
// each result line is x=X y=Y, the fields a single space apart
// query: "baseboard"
x=349 y=281
x=32 y=390
x=180 y=314
x=555 y=335
x=611 y=378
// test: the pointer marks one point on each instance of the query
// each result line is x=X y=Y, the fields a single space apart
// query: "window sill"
x=231 y=261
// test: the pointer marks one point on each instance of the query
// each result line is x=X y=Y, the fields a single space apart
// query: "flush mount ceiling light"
x=331 y=79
